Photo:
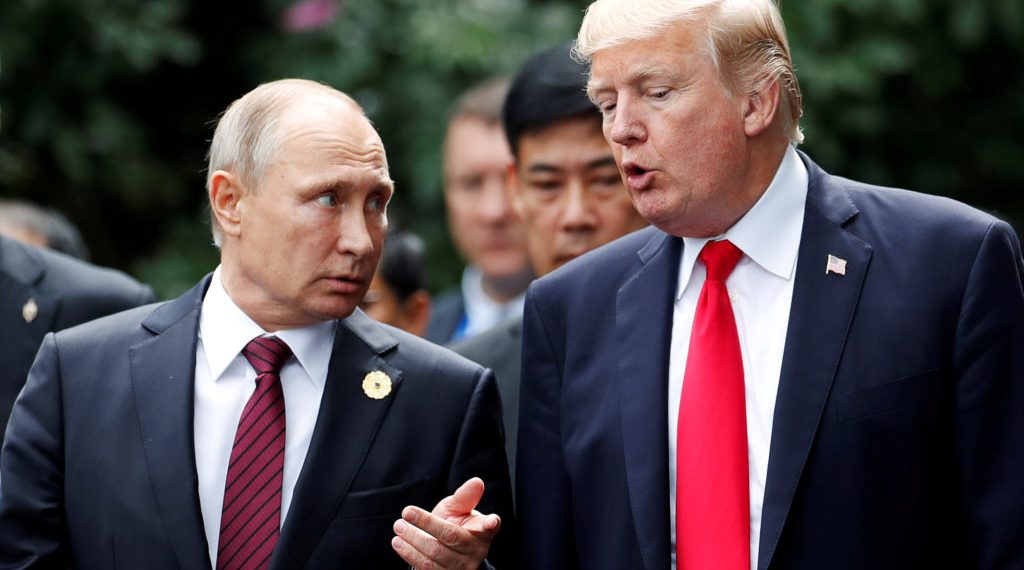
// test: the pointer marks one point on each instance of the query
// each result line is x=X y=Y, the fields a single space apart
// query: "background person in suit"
x=44 y=227
x=398 y=295
x=142 y=440
x=43 y=291
x=564 y=186
x=484 y=227
x=848 y=396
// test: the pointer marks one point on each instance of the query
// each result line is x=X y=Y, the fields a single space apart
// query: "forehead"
x=326 y=133
x=475 y=143
x=674 y=51
x=578 y=140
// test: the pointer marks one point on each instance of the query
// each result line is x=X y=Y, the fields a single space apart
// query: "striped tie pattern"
x=251 y=518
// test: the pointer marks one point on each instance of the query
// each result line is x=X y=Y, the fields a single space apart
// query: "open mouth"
x=638 y=178
x=633 y=169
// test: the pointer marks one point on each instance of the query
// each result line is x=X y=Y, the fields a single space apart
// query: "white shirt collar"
x=769 y=233
x=225 y=329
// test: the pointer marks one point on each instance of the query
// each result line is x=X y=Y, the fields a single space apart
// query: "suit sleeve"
x=32 y=529
x=989 y=365
x=480 y=452
x=543 y=486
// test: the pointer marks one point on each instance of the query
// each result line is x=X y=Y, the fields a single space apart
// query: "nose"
x=357 y=235
x=577 y=216
x=494 y=205
x=626 y=126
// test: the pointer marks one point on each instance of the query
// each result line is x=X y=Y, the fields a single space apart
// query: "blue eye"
x=327 y=200
x=376 y=203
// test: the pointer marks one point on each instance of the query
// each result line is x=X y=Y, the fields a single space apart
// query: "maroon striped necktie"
x=251 y=519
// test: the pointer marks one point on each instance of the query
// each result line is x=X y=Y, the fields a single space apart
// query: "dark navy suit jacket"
x=99 y=470
x=64 y=291
x=898 y=439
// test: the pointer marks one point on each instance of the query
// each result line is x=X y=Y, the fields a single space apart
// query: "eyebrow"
x=637 y=76
x=545 y=168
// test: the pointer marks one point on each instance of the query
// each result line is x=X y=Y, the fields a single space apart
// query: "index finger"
x=475 y=533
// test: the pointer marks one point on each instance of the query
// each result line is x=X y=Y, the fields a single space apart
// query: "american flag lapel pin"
x=835 y=265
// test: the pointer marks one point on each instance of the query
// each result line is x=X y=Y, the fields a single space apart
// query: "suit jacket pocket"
x=384 y=501
x=892 y=396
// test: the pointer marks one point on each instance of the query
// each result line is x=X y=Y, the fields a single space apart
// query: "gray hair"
x=247 y=139
x=745 y=40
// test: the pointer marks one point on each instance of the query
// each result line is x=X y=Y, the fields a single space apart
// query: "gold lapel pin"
x=30 y=311
x=835 y=265
x=376 y=385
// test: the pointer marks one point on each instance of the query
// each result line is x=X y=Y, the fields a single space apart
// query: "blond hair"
x=745 y=40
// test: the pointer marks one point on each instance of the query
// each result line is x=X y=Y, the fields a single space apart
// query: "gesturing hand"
x=454 y=536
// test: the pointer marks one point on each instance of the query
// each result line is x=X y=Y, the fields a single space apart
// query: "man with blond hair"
x=260 y=420
x=790 y=369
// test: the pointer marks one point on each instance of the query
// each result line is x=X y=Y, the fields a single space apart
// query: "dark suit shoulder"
x=593 y=279
x=445 y=315
x=899 y=211
x=497 y=340
x=121 y=329
x=86 y=291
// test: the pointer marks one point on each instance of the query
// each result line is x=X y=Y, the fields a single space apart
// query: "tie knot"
x=267 y=354
x=720 y=258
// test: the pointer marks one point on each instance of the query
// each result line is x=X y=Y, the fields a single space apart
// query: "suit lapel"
x=163 y=377
x=35 y=311
x=822 y=310
x=346 y=425
x=643 y=320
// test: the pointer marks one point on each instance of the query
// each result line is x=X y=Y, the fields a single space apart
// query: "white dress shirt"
x=761 y=290
x=483 y=312
x=224 y=382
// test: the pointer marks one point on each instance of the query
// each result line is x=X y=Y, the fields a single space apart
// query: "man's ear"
x=512 y=187
x=761 y=107
x=226 y=192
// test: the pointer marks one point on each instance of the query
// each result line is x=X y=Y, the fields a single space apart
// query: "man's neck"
x=504 y=289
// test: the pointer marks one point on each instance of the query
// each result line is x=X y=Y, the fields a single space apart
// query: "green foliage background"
x=106 y=106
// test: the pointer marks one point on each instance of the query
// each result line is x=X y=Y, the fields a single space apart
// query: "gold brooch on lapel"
x=376 y=385
x=835 y=265
x=30 y=311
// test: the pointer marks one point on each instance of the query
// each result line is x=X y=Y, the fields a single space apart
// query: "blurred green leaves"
x=107 y=104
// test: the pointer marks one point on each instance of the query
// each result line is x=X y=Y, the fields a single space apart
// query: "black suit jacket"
x=500 y=349
x=898 y=435
x=99 y=467
x=64 y=291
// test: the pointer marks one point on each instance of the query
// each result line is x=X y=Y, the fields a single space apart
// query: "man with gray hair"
x=261 y=420
x=790 y=369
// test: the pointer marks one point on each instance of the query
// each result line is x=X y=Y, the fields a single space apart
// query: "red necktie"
x=712 y=487
x=251 y=519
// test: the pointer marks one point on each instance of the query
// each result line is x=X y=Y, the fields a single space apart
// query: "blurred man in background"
x=397 y=295
x=45 y=227
x=564 y=186
x=482 y=223
x=43 y=291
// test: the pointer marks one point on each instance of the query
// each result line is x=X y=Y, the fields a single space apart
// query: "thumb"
x=463 y=500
